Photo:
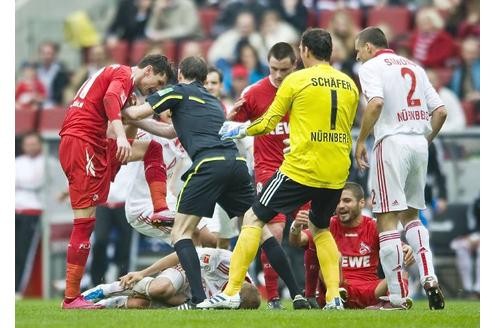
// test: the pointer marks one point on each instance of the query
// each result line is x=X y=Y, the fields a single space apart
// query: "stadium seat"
x=325 y=17
x=169 y=49
x=51 y=120
x=470 y=112
x=139 y=49
x=397 y=17
x=203 y=44
x=119 y=53
x=207 y=18
x=24 y=121
x=312 y=20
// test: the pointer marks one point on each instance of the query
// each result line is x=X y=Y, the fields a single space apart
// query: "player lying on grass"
x=169 y=288
x=357 y=240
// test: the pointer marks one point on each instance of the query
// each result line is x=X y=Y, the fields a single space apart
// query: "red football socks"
x=156 y=175
x=77 y=255
x=271 y=277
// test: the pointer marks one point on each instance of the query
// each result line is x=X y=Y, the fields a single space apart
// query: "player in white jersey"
x=405 y=113
x=170 y=286
x=138 y=206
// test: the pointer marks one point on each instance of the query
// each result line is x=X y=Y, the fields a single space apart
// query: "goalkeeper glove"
x=230 y=131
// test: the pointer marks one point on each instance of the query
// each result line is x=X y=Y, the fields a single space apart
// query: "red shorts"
x=260 y=181
x=89 y=169
x=361 y=294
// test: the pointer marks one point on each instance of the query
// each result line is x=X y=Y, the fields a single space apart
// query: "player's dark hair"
x=213 y=69
x=159 y=63
x=194 y=68
x=319 y=42
x=282 y=50
x=373 y=35
x=356 y=190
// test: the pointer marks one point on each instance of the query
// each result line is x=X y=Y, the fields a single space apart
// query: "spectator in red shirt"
x=431 y=45
x=29 y=91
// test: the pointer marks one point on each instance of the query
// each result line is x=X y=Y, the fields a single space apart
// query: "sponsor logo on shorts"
x=395 y=203
x=90 y=167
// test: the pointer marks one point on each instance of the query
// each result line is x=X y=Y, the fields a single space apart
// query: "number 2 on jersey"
x=333 y=111
x=410 y=101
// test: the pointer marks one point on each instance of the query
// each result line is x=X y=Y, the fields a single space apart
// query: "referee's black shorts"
x=219 y=179
x=282 y=195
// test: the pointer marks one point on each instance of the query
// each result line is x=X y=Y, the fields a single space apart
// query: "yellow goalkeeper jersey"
x=322 y=103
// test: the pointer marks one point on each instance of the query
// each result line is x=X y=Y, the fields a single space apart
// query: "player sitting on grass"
x=139 y=290
x=357 y=239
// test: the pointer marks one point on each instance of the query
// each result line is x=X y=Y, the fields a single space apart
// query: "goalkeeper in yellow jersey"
x=322 y=103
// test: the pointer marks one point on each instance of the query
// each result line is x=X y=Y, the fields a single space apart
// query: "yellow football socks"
x=244 y=252
x=329 y=258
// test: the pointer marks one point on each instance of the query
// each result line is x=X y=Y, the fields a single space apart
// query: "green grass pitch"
x=38 y=313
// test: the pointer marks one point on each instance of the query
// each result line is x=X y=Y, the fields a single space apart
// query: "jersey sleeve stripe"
x=196 y=99
x=165 y=99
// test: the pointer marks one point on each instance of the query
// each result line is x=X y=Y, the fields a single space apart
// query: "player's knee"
x=277 y=229
x=161 y=288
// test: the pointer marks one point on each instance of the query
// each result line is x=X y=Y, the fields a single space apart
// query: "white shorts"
x=222 y=225
x=141 y=222
x=177 y=277
x=398 y=173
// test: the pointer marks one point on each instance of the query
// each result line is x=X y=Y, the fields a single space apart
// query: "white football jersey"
x=177 y=162
x=409 y=97
x=215 y=263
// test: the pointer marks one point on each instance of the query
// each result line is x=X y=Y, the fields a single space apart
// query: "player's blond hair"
x=250 y=297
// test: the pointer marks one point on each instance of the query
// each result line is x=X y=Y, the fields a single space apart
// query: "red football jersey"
x=359 y=247
x=86 y=116
x=268 y=149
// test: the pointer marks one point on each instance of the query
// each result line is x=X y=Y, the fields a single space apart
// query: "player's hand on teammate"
x=230 y=130
x=361 y=156
x=287 y=145
x=235 y=108
x=408 y=255
x=129 y=280
x=123 y=149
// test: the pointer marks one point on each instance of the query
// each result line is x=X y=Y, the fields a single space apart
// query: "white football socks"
x=392 y=259
x=419 y=239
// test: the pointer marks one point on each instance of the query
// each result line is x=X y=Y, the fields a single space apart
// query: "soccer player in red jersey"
x=93 y=146
x=268 y=149
x=356 y=236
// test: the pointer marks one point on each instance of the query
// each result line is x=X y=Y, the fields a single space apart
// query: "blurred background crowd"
x=57 y=51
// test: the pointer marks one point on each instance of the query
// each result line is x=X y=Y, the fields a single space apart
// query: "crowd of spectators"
x=234 y=35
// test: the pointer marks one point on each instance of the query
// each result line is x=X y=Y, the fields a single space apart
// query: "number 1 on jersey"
x=333 y=111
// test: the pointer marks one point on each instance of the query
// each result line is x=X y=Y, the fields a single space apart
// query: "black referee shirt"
x=197 y=116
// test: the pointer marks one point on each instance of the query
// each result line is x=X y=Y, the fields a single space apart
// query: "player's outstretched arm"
x=164 y=263
x=155 y=127
x=137 y=112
